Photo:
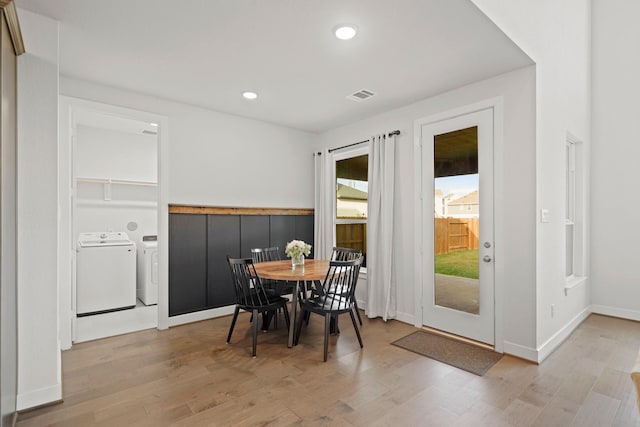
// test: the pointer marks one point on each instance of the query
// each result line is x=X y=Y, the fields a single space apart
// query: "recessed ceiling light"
x=345 y=31
x=250 y=95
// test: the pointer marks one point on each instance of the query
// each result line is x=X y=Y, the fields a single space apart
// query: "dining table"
x=311 y=270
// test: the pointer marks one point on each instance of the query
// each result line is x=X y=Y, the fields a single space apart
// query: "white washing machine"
x=147 y=290
x=105 y=273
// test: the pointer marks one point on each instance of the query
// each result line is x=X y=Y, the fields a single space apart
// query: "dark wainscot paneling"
x=222 y=236
x=187 y=263
x=199 y=243
x=254 y=233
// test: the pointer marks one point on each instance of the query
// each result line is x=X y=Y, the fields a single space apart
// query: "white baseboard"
x=402 y=317
x=200 y=315
x=38 y=397
x=115 y=323
x=622 y=313
x=521 y=351
x=406 y=318
x=558 y=338
x=538 y=355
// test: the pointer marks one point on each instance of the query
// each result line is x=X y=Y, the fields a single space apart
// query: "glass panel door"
x=457 y=217
x=456 y=220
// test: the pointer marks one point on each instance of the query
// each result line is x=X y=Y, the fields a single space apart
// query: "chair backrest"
x=345 y=254
x=246 y=283
x=339 y=284
x=266 y=254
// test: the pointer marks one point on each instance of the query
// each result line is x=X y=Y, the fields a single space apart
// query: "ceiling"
x=456 y=153
x=206 y=53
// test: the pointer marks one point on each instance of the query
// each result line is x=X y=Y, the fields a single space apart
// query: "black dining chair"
x=252 y=296
x=347 y=254
x=266 y=254
x=278 y=288
x=335 y=297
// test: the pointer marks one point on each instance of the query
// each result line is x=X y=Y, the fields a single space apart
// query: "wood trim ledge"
x=189 y=209
x=11 y=15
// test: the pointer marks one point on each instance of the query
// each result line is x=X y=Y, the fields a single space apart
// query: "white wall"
x=39 y=367
x=556 y=35
x=615 y=173
x=8 y=233
x=108 y=154
x=219 y=159
x=517 y=214
x=136 y=215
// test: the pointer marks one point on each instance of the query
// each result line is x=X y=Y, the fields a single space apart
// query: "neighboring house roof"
x=438 y=192
x=468 y=199
x=350 y=193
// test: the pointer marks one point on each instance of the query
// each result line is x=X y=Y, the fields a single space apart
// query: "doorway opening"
x=111 y=226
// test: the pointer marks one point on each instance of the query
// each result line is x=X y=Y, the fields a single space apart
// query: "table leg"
x=294 y=313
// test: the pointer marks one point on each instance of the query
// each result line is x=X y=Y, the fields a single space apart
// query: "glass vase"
x=297 y=261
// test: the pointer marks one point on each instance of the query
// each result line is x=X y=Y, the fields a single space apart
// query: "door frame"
x=68 y=108
x=419 y=216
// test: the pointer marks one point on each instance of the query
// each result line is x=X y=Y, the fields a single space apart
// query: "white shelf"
x=116 y=203
x=116 y=182
x=108 y=183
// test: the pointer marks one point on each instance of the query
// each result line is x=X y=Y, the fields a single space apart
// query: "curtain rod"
x=395 y=132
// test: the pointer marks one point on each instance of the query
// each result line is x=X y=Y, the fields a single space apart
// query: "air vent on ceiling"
x=361 y=95
x=149 y=132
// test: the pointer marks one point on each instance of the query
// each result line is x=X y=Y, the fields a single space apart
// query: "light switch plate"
x=544 y=215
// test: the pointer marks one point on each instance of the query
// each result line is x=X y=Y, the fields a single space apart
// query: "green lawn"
x=461 y=263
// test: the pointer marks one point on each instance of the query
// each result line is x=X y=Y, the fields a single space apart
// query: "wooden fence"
x=352 y=236
x=452 y=234
x=455 y=234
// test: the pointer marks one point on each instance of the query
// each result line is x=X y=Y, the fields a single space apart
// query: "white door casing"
x=479 y=327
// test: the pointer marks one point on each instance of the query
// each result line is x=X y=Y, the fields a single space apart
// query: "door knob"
x=486 y=258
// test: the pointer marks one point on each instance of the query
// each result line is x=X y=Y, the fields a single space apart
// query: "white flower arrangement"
x=295 y=248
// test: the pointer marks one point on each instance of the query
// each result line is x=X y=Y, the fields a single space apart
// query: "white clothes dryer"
x=147 y=284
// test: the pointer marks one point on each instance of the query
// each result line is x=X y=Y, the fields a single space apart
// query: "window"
x=351 y=199
x=574 y=212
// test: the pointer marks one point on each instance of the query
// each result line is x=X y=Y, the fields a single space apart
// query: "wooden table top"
x=314 y=269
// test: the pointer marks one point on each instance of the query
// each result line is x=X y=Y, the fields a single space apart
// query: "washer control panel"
x=103 y=238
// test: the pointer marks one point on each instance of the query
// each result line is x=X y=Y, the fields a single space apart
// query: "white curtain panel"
x=381 y=283
x=323 y=224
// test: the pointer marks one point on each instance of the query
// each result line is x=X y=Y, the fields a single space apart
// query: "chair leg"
x=275 y=318
x=233 y=323
x=335 y=329
x=355 y=326
x=327 y=326
x=286 y=316
x=255 y=332
x=355 y=304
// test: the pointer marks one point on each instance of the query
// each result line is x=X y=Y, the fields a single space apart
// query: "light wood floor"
x=188 y=376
